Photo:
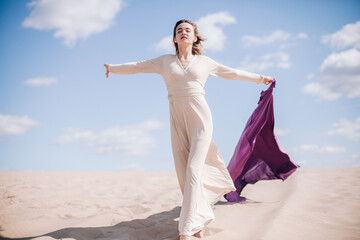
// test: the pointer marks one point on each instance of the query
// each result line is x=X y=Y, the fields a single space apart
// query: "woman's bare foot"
x=199 y=234
x=185 y=237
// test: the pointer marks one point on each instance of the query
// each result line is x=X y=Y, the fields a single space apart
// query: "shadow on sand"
x=159 y=226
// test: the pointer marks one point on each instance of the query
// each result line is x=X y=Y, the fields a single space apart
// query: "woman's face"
x=185 y=34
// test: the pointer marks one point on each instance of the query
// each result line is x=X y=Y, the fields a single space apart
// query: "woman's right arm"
x=145 y=66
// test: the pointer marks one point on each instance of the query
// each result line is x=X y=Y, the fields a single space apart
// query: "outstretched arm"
x=225 y=72
x=145 y=66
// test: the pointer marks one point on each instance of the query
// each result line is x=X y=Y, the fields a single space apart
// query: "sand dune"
x=310 y=204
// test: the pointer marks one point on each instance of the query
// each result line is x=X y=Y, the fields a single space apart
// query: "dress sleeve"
x=219 y=70
x=145 y=66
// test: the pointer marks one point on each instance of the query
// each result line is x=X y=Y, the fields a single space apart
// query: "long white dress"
x=202 y=174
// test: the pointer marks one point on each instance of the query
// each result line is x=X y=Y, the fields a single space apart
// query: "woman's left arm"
x=219 y=70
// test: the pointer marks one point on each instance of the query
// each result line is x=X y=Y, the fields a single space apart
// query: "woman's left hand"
x=268 y=80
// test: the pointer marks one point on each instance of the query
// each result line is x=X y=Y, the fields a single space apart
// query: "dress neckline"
x=187 y=66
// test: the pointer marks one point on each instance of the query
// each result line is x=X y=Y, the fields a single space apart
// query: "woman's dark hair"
x=196 y=49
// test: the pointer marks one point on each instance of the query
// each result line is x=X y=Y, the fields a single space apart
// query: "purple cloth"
x=258 y=155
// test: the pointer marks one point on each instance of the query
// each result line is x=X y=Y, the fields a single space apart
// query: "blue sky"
x=58 y=111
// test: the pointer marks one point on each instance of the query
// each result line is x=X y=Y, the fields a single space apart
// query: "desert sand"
x=139 y=205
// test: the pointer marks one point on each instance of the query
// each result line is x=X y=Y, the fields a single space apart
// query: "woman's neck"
x=185 y=52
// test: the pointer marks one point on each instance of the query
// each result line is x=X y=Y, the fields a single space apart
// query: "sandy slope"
x=310 y=204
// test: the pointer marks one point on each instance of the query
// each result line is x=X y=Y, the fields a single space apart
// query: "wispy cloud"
x=165 y=45
x=354 y=158
x=302 y=36
x=275 y=36
x=318 y=90
x=348 y=36
x=15 y=125
x=339 y=74
x=278 y=59
x=130 y=140
x=210 y=27
x=281 y=132
x=40 y=81
x=72 y=20
x=346 y=128
x=313 y=148
x=271 y=60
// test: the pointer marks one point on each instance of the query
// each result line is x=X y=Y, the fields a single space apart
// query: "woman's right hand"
x=107 y=70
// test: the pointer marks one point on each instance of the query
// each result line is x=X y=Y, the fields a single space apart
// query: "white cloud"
x=275 y=36
x=346 y=128
x=270 y=60
x=283 y=39
x=338 y=76
x=348 y=36
x=355 y=157
x=15 y=125
x=281 y=132
x=210 y=27
x=302 y=36
x=310 y=76
x=130 y=140
x=72 y=20
x=165 y=45
x=318 y=90
x=40 y=81
x=76 y=135
x=312 y=148
x=279 y=59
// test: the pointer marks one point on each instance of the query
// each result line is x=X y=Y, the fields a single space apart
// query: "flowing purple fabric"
x=258 y=155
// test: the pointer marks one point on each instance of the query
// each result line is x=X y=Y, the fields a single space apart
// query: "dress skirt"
x=202 y=174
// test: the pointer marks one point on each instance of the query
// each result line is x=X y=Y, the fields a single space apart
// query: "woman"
x=201 y=172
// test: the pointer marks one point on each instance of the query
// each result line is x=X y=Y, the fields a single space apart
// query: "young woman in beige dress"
x=202 y=175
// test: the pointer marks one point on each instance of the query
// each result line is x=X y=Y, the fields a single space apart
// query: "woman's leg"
x=180 y=145
x=196 y=211
x=191 y=135
x=216 y=178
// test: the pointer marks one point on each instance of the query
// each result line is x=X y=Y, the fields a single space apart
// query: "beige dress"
x=202 y=174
